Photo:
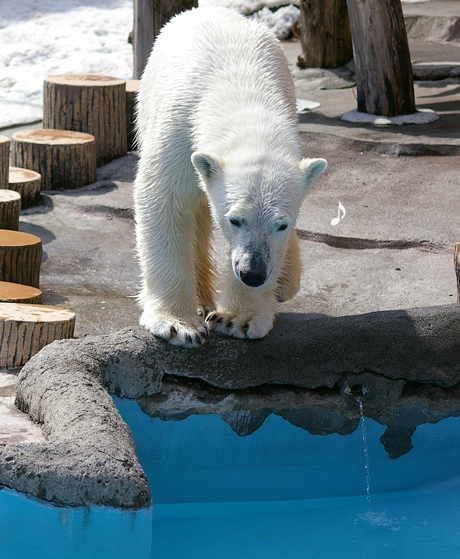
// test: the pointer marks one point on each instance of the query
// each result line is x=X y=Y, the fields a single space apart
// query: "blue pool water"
x=277 y=493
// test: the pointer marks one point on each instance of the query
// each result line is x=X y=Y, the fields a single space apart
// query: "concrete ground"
x=399 y=185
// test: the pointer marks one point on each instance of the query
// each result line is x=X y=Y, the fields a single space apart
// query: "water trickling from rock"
x=366 y=451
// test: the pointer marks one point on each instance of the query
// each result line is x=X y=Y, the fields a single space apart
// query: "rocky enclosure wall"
x=394 y=361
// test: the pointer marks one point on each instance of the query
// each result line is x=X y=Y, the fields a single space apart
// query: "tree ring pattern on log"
x=64 y=158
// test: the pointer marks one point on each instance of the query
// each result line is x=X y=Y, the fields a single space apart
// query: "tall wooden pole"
x=384 y=78
x=149 y=18
x=325 y=34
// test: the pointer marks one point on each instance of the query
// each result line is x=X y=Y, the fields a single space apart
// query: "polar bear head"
x=255 y=205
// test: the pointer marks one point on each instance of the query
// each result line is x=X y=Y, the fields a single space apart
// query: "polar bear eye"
x=235 y=222
x=282 y=227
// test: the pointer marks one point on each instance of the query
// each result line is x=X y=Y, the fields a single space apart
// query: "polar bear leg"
x=289 y=280
x=204 y=268
x=165 y=244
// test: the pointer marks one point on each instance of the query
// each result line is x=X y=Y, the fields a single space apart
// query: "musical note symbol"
x=337 y=219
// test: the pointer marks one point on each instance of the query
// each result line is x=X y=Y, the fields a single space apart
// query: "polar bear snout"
x=251 y=270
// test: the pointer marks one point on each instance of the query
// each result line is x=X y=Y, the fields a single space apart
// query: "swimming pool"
x=279 y=492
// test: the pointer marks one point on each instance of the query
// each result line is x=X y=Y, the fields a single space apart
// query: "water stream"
x=366 y=452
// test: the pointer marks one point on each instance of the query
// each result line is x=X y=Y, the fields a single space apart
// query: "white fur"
x=217 y=128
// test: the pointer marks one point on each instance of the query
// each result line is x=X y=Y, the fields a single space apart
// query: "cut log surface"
x=17 y=293
x=132 y=87
x=65 y=159
x=4 y=161
x=26 y=329
x=92 y=104
x=27 y=183
x=10 y=208
x=457 y=268
x=20 y=257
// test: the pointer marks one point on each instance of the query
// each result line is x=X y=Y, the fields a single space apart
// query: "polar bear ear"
x=311 y=169
x=206 y=165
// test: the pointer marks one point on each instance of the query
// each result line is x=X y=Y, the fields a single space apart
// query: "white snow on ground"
x=422 y=116
x=40 y=38
x=280 y=21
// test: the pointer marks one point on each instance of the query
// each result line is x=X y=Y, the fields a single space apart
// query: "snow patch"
x=422 y=116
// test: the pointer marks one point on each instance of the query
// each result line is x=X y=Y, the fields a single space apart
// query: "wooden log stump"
x=17 y=293
x=92 y=104
x=26 y=329
x=384 y=80
x=132 y=87
x=10 y=208
x=457 y=268
x=4 y=161
x=27 y=183
x=20 y=257
x=325 y=34
x=64 y=159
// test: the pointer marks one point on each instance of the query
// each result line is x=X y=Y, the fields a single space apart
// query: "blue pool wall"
x=200 y=459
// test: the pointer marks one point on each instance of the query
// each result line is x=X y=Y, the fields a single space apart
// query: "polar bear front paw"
x=177 y=332
x=239 y=326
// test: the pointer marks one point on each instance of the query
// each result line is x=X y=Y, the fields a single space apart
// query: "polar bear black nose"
x=253 y=279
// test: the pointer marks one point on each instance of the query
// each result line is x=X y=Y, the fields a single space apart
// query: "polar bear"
x=217 y=134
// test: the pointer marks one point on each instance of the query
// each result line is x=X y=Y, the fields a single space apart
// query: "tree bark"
x=20 y=258
x=64 y=159
x=91 y=104
x=132 y=87
x=10 y=208
x=17 y=293
x=27 y=183
x=149 y=18
x=325 y=34
x=4 y=161
x=382 y=59
x=26 y=329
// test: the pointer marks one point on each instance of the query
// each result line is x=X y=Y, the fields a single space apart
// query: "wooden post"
x=132 y=87
x=382 y=59
x=20 y=257
x=457 y=268
x=27 y=183
x=4 y=161
x=10 y=208
x=325 y=34
x=26 y=329
x=17 y=293
x=91 y=104
x=64 y=159
x=149 y=18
